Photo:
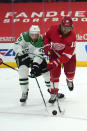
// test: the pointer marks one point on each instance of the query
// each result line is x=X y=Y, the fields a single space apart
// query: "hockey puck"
x=54 y=112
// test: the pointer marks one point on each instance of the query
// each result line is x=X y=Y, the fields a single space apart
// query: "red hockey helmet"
x=67 y=21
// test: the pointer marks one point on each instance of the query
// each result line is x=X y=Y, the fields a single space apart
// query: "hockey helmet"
x=67 y=21
x=34 y=29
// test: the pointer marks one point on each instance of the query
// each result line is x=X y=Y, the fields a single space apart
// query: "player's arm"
x=67 y=53
x=18 y=46
x=37 y=60
x=47 y=43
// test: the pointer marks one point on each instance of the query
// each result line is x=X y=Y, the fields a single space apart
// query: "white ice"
x=32 y=116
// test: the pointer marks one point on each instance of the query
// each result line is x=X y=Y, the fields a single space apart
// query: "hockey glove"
x=48 y=50
x=53 y=64
x=35 y=70
x=50 y=66
x=45 y=67
x=1 y=61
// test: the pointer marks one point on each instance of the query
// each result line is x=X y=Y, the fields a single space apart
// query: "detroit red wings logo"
x=58 y=46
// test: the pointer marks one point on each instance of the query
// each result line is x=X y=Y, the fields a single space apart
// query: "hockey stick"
x=14 y=68
x=41 y=93
x=36 y=82
x=9 y=66
x=60 y=111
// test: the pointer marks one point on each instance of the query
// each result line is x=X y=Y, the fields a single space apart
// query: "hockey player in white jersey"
x=29 y=53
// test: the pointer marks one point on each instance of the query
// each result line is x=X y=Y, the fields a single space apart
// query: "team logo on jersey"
x=58 y=46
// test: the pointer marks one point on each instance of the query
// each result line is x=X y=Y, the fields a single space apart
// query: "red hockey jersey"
x=63 y=46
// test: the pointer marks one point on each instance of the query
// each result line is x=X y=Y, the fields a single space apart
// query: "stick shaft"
x=10 y=66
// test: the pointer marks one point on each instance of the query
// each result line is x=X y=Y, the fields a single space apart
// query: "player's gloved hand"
x=53 y=64
x=48 y=50
x=1 y=61
x=35 y=71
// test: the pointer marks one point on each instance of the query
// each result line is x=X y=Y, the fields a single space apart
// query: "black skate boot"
x=24 y=97
x=70 y=85
x=60 y=95
x=52 y=99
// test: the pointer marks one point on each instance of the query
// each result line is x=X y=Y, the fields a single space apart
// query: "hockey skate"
x=60 y=95
x=52 y=99
x=70 y=85
x=24 y=97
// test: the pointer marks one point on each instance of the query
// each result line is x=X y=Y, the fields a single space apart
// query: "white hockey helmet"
x=34 y=29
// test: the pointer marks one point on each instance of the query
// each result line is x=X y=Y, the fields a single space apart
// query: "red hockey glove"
x=1 y=61
x=48 y=50
x=52 y=65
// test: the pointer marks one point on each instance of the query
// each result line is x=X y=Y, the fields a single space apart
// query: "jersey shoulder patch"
x=26 y=36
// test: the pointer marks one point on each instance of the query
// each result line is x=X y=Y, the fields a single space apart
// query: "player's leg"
x=47 y=77
x=69 y=69
x=54 y=78
x=23 y=69
x=23 y=80
x=48 y=83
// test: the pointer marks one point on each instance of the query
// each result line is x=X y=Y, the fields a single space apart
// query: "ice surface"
x=32 y=116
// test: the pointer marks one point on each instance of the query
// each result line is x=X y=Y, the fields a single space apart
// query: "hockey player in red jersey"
x=59 y=45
